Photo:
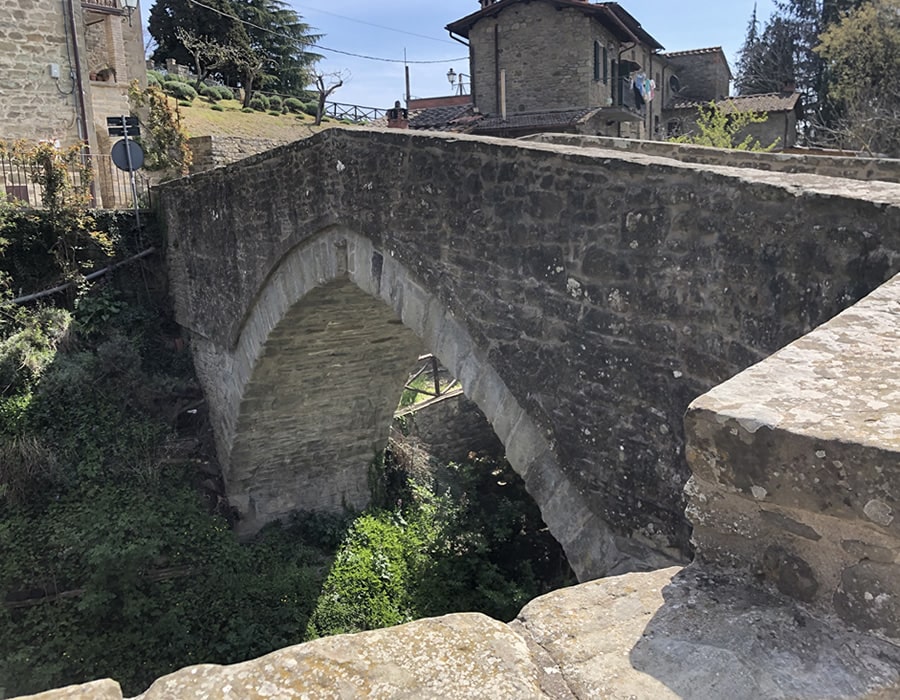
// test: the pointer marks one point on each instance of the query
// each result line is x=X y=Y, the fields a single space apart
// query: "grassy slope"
x=201 y=120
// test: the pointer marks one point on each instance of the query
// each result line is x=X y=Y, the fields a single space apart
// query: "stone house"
x=560 y=65
x=574 y=66
x=701 y=76
x=782 y=110
x=66 y=67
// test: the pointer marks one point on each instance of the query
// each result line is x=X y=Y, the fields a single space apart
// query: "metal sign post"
x=133 y=156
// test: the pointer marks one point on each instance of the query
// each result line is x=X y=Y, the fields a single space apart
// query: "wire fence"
x=109 y=187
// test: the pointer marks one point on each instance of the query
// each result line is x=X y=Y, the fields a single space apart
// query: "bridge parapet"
x=796 y=467
x=795 y=162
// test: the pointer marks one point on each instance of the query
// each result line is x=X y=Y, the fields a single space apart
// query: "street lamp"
x=451 y=76
x=130 y=7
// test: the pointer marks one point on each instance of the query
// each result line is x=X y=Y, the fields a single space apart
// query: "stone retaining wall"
x=212 y=151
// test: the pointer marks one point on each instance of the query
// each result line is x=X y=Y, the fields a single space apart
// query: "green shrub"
x=260 y=103
x=225 y=92
x=181 y=90
x=276 y=103
x=311 y=108
x=25 y=355
x=217 y=108
x=293 y=105
x=248 y=110
x=156 y=76
x=152 y=79
x=210 y=92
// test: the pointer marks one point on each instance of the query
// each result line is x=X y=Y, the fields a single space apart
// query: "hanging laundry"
x=639 y=80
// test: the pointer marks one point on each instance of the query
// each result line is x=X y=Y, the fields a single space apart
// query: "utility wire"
x=319 y=46
x=379 y=26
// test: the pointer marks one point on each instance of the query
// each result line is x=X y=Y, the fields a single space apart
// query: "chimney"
x=398 y=118
x=789 y=87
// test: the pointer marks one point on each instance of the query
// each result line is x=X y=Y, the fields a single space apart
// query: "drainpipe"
x=82 y=111
x=497 y=64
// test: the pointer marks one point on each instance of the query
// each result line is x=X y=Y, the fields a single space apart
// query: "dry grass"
x=201 y=120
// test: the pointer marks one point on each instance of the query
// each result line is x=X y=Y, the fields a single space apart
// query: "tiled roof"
x=694 y=52
x=439 y=118
x=767 y=102
x=544 y=120
x=613 y=16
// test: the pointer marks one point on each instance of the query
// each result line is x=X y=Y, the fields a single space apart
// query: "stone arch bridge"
x=582 y=296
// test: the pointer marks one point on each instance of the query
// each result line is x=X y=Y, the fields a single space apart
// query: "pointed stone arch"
x=253 y=388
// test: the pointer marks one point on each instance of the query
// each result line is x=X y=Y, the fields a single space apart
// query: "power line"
x=379 y=26
x=319 y=46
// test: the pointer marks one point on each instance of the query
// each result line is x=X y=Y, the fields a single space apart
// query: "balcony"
x=110 y=7
x=622 y=106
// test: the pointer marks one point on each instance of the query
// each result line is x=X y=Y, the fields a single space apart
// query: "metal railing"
x=110 y=188
x=353 y=113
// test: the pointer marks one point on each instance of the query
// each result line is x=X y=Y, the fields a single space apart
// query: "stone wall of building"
x=702 y=75
x=855 y=168
x=36 y=106
x=548 y=54
x=33 y=105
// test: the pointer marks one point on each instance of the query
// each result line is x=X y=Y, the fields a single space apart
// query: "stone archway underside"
x=315 y=377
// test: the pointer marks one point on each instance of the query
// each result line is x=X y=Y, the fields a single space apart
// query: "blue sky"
x=348 y=25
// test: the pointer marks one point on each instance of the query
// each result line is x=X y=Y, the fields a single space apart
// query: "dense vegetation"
x=254 y=43
x=841 y=55
x=118 y=556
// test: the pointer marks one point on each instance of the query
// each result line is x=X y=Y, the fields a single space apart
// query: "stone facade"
x=701 y=74
x=34 y=105
x=583 y=298
x=556 y=56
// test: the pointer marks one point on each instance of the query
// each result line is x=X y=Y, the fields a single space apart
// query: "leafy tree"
x=167 y=17
x=165 y=139
x=766 y=62
x=785 y=53
x=862 y=55
x=723 y=126
x=257 y=43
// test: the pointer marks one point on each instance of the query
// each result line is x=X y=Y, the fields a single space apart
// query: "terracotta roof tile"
x=438 y=118
x=766 y=102
x=564 y=118
x=694 y=52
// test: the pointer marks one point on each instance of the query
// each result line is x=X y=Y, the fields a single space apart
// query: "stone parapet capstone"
x=796 y=467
